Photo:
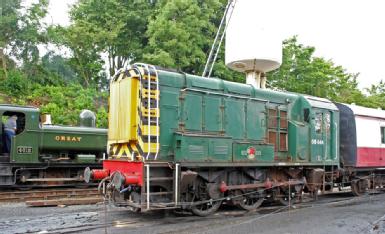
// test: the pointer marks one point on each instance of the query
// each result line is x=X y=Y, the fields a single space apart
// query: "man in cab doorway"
x=10 y=131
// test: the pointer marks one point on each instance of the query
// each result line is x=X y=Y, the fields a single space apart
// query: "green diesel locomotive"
x=42 y=154
x=179 y=141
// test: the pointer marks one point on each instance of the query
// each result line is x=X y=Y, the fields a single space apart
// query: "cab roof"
x=320 y=102
x=18 y=108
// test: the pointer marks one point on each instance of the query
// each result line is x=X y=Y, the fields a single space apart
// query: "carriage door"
x=320 y=140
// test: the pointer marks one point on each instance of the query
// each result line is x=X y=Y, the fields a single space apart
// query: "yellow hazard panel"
x=112 y=115
x=123 y=114
x=146 y=146
x=154 y=94
x=133 y=132
x=153 y=112
x=153 y=130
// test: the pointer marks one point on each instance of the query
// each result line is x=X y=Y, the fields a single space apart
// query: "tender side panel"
x=348 y=142
x=370 y=142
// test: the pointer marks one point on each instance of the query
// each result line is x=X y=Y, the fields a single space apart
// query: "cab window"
x=318 y=122
x=20 y=121
x=327 y=122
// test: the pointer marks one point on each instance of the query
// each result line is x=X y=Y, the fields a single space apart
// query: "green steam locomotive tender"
x=43 y=154
x=179 y=141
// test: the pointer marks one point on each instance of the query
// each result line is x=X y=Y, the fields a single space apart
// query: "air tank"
x=250 y=48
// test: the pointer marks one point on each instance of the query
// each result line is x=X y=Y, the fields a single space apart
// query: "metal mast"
x=218 y=39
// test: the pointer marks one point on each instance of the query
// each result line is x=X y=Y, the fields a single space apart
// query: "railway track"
x=195 y=224
x=108 y=219
x=46 y=197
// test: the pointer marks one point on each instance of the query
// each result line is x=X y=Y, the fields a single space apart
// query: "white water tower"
x=249 y=48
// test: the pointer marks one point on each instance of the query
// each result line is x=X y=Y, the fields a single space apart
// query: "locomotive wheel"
x=359 y=187
x=209 y=206
x=206 y=208
x=282 y=195
x=24 y=174
x=251 y=201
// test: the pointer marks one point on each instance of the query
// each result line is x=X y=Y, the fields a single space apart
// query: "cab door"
x=320 y=136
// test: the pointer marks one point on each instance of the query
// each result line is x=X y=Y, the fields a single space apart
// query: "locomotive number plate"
x=24 y=150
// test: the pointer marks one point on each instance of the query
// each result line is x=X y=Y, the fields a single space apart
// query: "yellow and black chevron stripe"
x=125 y=151
x=145 y=148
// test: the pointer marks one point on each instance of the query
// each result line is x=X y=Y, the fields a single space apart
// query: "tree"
x=85 y=60
x=376 y=97
x=112 y=28
x=9 y=13
x=181 y=33
x=65 y=107
x=57 y=68
x=302 y=72
x=21 y=31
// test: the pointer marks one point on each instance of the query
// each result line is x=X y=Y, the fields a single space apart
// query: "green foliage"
x=85 y=60
x=16 y=84
x=302 y=72
x=376 y=96
x=30 y=33
x=181 y=33
x=102 y=117
x=21 y=31
x=8 y=24
x=9 y=15
x=110 y=27
x=175 y=33
x=57 y=69
x=65 y=103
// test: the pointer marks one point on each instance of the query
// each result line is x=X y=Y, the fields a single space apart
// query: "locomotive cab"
x=20 y=127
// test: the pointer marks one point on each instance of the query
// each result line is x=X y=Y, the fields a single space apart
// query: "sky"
x=349 y=32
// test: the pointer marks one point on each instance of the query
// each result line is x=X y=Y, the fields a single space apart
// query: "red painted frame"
x=127 y=168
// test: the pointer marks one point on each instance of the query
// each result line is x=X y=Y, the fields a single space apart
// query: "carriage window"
x=383 y=135
x=318 y=123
